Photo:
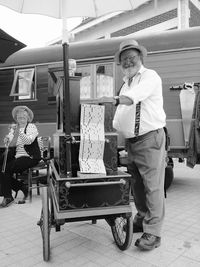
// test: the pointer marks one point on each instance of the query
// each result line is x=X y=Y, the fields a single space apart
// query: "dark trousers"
x=146 y=164
x=13 y=165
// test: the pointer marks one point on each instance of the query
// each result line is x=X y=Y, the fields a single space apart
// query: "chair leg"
x=30 y=184
x=48 y=174
x=38 y=187
x=37 y=183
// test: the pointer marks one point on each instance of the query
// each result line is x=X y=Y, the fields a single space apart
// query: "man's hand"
x=122 y=100
x=106 y=99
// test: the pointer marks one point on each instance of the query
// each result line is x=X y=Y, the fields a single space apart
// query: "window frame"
x=28 y=92
x=93 y=66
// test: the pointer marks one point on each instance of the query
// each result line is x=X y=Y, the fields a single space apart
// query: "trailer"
x=32 y=77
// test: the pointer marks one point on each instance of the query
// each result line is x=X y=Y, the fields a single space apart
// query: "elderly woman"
x=23 y=153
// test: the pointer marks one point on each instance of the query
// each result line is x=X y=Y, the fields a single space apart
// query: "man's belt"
x=143 y=136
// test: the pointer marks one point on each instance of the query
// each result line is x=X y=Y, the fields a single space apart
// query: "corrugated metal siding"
x=146 y=23
x=6 y=103
x=175 y=69
x=43 y=111
x=194 y=19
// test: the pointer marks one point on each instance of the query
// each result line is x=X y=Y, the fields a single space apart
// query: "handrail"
x=121 y=181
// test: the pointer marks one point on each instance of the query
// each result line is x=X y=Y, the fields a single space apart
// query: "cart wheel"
x=122 y=230
x=45 y=224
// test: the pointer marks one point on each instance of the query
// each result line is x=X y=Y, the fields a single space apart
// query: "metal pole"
x=66 y=107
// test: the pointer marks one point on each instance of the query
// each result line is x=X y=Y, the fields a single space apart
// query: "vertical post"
x=183 y=14
x=66 y=91
x=155 y=4
x=66 y=107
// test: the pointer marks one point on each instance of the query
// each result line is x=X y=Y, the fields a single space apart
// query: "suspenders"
x=137 y=112
x=137 y=118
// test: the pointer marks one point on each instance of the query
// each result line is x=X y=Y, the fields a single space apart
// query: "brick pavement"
x=91 y=245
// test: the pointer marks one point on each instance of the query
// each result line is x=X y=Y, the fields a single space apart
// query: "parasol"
x=64 y=9
x=8 y=46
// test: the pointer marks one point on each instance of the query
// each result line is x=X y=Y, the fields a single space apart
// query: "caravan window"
x=85 y=82
x=104 y=80
x=97 y=80
x=23 y=87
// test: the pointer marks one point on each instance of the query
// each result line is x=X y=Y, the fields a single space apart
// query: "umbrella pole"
x=66 y=108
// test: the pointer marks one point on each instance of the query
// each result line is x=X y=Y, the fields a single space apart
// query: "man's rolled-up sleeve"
x=149 y=83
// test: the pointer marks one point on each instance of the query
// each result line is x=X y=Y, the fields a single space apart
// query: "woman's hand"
x=12 y=133
x=6 y=140
x=12 y=127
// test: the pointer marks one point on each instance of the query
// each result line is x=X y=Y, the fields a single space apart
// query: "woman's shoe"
x=7 y=201
x=24 y=189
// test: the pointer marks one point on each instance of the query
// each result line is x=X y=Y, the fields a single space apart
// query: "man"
x=140 y=118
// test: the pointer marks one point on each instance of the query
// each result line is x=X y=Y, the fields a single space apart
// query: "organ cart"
x=71 y=196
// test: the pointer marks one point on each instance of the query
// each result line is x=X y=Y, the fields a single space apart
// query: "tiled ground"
x=91 y=245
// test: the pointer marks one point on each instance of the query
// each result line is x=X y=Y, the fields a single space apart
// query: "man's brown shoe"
x=148 y=242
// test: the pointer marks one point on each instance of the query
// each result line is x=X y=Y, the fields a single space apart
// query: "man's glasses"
x=129 y=59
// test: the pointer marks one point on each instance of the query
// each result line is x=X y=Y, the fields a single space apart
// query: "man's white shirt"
x=146 y=86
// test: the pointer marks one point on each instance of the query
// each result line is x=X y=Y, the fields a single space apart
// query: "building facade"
x=151 y=16
x=98 y=79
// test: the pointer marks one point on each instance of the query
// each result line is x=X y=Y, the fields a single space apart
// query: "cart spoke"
x=122 y=231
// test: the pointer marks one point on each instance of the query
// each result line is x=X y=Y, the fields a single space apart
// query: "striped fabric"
x=41 y=144
x=137 y=118
x=25 y=139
